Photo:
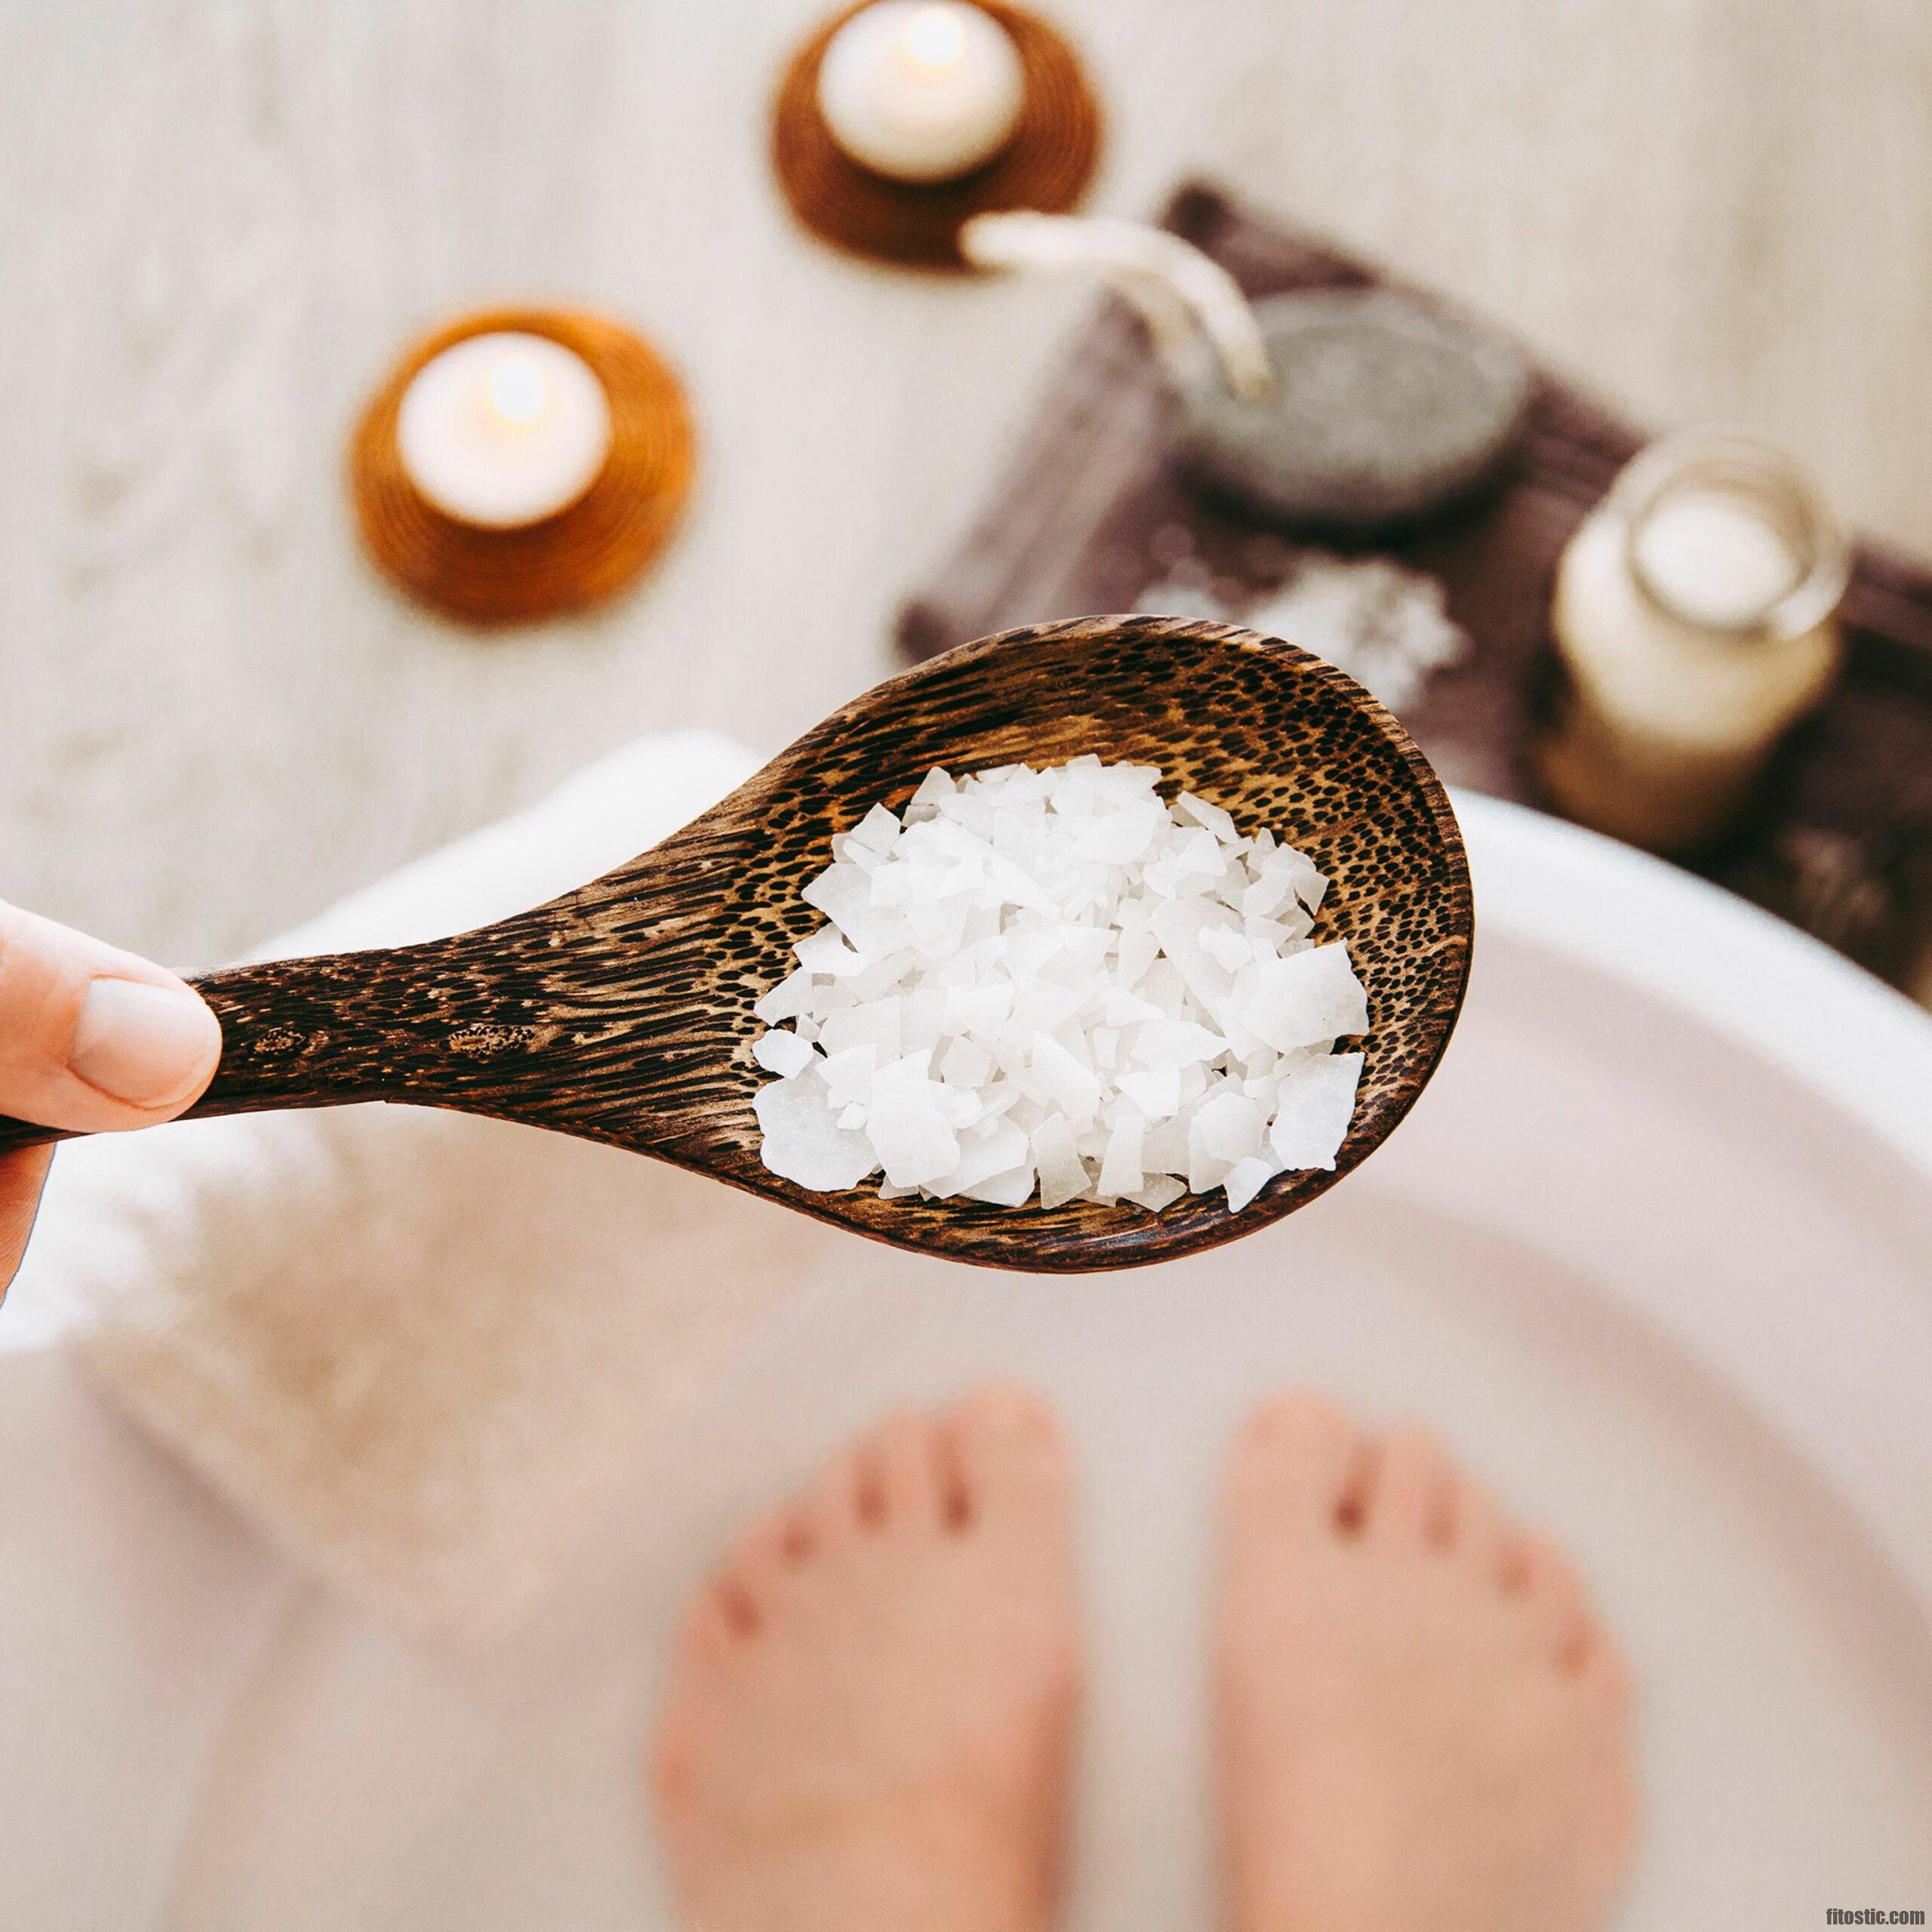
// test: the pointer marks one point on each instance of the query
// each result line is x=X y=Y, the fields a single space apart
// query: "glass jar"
x=1695 y=620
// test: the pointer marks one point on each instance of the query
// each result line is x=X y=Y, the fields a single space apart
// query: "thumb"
x=93 y=1039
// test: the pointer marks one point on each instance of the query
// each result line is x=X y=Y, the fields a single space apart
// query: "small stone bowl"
x=1384 y=412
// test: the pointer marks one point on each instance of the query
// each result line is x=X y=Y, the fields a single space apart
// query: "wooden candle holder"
x=916 y=224
x=581 y=556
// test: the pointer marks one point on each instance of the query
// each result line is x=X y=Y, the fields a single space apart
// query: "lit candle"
x=504 y=429
x=921 y=89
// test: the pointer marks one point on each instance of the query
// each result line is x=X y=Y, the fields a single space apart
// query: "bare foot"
x=1420 y=1726
x=870 y=1724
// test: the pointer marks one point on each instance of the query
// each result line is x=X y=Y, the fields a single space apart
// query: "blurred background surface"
x=221 y=221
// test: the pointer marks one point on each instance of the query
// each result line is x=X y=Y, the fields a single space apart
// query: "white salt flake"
x=1172 y=1043
x=1161 y=1192
x=998 y=1150
x=1009 y=1189
x=844 y=894
x=1231 y=1126
x=965 y=1063
x=907 y=1131
x=1227 y=946
x=1165 y=1150
x=1308 y=997
x=875 y=1024
x=1318 y=1102
x=848 y=1075
x=1182 y=927
x=1049 y=985
x=782 y=1053
x=1121 y=1008
x=1064 y=1175
x=1121 y=1170
x=1075 y=1088
x=1212 y=817
x=1246 y=1179
x=1139 y=949
x=825 y=951
x=803 y=1142
x=1225 y=1130
x=1156 y=1093
x=788 y=1000
x=879 y=830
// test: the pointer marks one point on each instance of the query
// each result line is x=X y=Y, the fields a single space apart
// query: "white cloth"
x=417 y=1348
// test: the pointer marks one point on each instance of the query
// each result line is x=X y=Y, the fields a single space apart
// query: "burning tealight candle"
x=504 y=429
x=921 y=89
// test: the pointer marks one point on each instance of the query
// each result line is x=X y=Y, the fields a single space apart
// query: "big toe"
x=1010 y=1457
x=902 y=1472
x=1297 y=1463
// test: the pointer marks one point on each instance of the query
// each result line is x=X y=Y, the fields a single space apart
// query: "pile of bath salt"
x=1053 y=979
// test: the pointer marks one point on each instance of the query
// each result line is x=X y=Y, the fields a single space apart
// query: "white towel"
x=417 y=1348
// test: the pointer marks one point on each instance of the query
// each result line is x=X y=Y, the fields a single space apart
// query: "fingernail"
x=150 y=1046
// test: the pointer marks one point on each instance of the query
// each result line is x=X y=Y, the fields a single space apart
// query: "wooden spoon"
x=622 y=1012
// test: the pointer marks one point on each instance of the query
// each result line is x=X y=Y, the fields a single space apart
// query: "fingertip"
x=94 y=1040
x=149 y=1044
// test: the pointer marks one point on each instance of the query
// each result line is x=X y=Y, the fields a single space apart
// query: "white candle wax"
x=921 y=89
x=504 y=429
x=1714 y=559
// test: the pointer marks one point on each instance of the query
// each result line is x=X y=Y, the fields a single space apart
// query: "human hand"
x=92 y=1039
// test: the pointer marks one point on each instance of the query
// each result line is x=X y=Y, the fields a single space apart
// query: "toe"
x=1298 y=1461
x=732 y=1606
x=1004 y=1457
x=670 y=1762
x=721 y=1617
x=1539 y=1572
x=797 y=1534
x=759 y=1554
x=1603 y=1671
x=747 y=1579
x=1407 y=1502
x=839 y=1501
x=1478 y=1530
x=900 y=1460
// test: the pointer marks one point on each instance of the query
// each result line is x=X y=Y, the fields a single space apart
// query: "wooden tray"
x=1091 y=515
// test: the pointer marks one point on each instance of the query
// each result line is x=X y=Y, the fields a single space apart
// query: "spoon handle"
x=417 y=1022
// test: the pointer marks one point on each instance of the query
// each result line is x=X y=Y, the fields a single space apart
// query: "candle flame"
x=518 y=390
x=934 y=37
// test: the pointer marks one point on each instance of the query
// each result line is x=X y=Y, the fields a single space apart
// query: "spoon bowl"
x=622 y=1012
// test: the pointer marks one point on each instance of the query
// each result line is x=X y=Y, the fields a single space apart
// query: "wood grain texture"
x=1046 y=166
x=622 y=1012
x=583 y=556
x=222 y=221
